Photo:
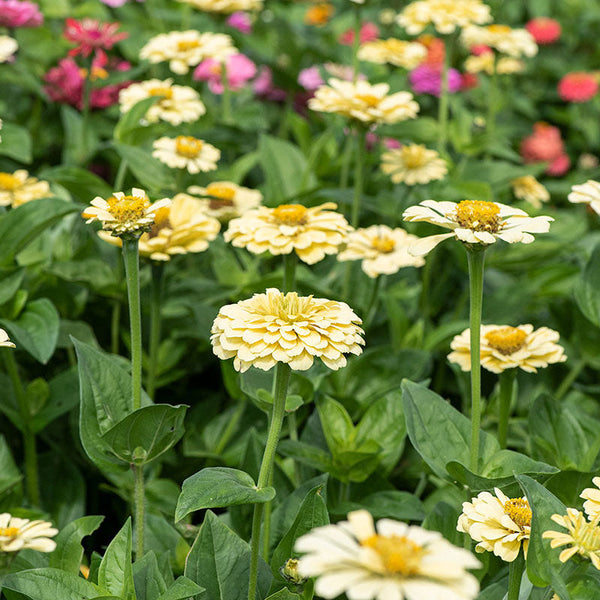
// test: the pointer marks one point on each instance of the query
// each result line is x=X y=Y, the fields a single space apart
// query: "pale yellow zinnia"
x=4 y=340
x=514 y=42
x=186 y=152
x=276 y=327
x=591 y=506
x=399 y=53
x=225 y=6
x=413 y=164
x=8 y=46
x=225 y=200
x=587 y=193
x=18 y=188
x=528 y=188
x=17 y=534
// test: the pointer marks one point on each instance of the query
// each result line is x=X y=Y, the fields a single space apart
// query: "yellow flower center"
x=518 y=510
x=478 y=216
x=185 y=45
x=384 y=244
x=188 y=146
x=224 y=193
x=413 y=156
x=290 y=214
x=499 y=29
x=216 y=69
x=128 y=208
x=9 y=182
x=97 y=73
x=11 y=532
x=399 y=555
x=162 y=91
x=161 y=221
x=506 y=340
x=369 y=99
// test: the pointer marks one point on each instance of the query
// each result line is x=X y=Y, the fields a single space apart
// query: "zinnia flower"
x=545 y=144
x=91 y=35
x=427 y=79
x=391 y=560
x=577 y=87
x=319 y=14
x=528 y=188
x=312 y=233
x=18 y=188
x=8 y=46
x=276 y=327
x=186 y=152
x=225 y=6
x=413 y=164
x=475 y=222
x=381 y=249
x=239 y=69
x=4 y=341
x=369 y=32
x=544 y=30
x=310 y=78
x=591 y=506
x=241 y=21
x=504 y=347
x=396 y=52
x=124 y=215
x=116 y=3
x=225 y=200
x=587 y=193
x=499 y=524
x=20 y=13
x=17 y=534
x=505 y=39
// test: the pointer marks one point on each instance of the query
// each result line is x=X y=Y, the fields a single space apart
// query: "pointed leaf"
x=116 y=573
x=147 y=578
x=182 y=589
x=50 y=584
x=69 y=552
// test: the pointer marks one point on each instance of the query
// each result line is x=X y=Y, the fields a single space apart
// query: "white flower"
x=514 y=42
x=592 y=499
x=413 y=164
x=16 y=534
x=225 y=200
x=225 y=6
x=4 y=341
x=588 y=193
x=186 y=152
x=528 y=188
x=8 y=46
x=399 y=53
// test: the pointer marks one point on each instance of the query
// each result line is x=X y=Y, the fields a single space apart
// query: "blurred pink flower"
x=14 y=13
x=263 y=86
x=368 y=33
x=427 y=79
x=241 y=21
x=544 y=30
x=577 y=87
x=116 y=3
x=91 y=35
x=240 y=69
x=545 y=145
x=310 y=78
x=391 y=143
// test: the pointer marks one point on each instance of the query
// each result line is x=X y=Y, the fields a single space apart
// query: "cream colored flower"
x=444 y=15
x=177 y=104
x=123 y=214
x=588 y=193
x=18 y=188
x=8 y=46
x=180 y=228
x=591 y=506
x=225 y=200
x=475 y=222
x=185 y=49
x=225 y=6
x=504 y=347
x=413 y=164
x=499 y=524
x=383 y=250
x=364 y=102
x=583 y=537
x=186 y=152
x=506 y=65
x=392 y=561
x=488 y=63
x=399 y=53
x=514 y=42
x=276 y=327
x=312 y=233
x=4 y=341
x=17 y=534
x=528 y=188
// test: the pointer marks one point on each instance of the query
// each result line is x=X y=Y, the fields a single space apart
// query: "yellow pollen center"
x=216 y=69
x=223 y=195
x=164 y=92
x=128 y=208
x=506 y=340
x=518 y=510
x=9 y=182
x=499 y=29
x=290 y=214
x=384 y=244
x=11 y=532
x=369 y=99
x=188 y=146
x=479 y=216
x=185 y=45
x=399 y=555
x=413 y=156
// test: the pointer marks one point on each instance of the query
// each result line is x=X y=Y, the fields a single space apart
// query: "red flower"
x=546 y=145
x=369 y=32
x=468 y=81
x=436 y=50
x=90 y=35
x=544 y=30
x=577 y=87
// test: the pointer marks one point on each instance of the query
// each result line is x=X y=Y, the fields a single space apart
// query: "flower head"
x=241 y=21
x=18 y=188
x=578 y=87
x=587 y=193
x=125 y=215
x=545 y=144
x=319 y=14
x=225 y=6
x=475 y=222
x=591 y=506
x=91 y=35
x=427 y=79
x=528 y=188
x=499 y=524
x=276 y=327
x=312 y=233
x=20 y=13
x=225 y=200
x=514 y=42
x=4 y=340
x=17 y=534
x=186 y=152
x=8 y=46
x=544 y=30
x=239 y=69
x=369 y=32
x=396 y=52
x=389 y=560
x=413 y=164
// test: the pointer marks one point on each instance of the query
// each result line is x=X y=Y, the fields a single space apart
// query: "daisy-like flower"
x=475 y=222
x=186 y=152
x=225 y=6
x=20 y=13
x=91 y=35
x=391 y=560
x=413 y=164
x=505 y=39
x=8 y=46
x=177 y=103
x=225 y=200
x=504 y=347
x=587 y=193
x=17 y=534
x=276 y=327
x=591 y=506
x=507 y=65
x=312 y=233
x=125 y=215
x=18 y=188
x=497 y=523
x=383 y=250
x=528 y=188
x=185 y=49
x=399 y=53
x=364 y=102
x=180 y=228
x=4 y=340
x=583 y=536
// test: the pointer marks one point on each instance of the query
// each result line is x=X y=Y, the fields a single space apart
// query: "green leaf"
x=116 y=574
x=391 y=504
x=586 y=289
x=130 y=121
x=284 y=594
x=148 y=580
x=220 y=561
x=16 y=143
x=80 y=141
x=10 y=475
x=64 y=396
x=217 y=487
x=36 y=329
x=182 y=589
x=10 y=282
x=50 y=584
x=150 y=172
x=93 y=272
x=337 y=425
x=69 y=552
x=81 y=183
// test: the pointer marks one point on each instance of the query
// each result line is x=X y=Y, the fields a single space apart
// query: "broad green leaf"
x=217 y=487
x=80 y=141
x=307 y=455
x=64 y=396
x=284 y=594
x=16 y=143
x=182 y=589
x=219 y=561
x=148 y=580
x=337 y=425
x=391 y=504
x=10 y=282
x=150 y=172
x=93 y=272
x=116 y=573
x=69 y=552
x=130 y=121
x=50 y=584
x=10 y=475
x=81 y=183
x=443 y=518
x=586 y=290
x=36 y=329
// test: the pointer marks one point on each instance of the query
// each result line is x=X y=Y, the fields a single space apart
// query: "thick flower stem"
x=371 y=309
x=282 y=377
x=476 y=258
x=132 y=274
x=139 y=510
x=507 y=386
x=515 y=574
x=155 y=322
x=289 y=272
x=361 y=135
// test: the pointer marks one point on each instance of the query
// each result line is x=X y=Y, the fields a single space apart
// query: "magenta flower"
x=14 y=13
x=310 y=78
x=427 y=79
x=241 y=21
x=116 y=3
x=240 y=69
x=90 y=35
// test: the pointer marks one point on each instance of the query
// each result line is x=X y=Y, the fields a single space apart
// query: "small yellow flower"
x=17 y=534
x=399 y=53
x=319 y=14
x=225 y=6
x=4 y=340
x=413 y=164
x=528 y=188
x=186 y=152
x=18 y=188
x=225 y=200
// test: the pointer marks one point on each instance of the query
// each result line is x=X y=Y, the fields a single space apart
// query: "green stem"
x=346 y=160
x=356 y=41
x=155 y=322
x=139 y=510
x=132 y=274
x=490 y=125
x=361 y=134
x=282 y=377
x=371 y=309
x=507 y=386
x=515 y=574
x=289 y=272
x=443 y=103
x=231 y=425
x=476 y=258
x=120 y=177
x=568 y=381
x=226 y=106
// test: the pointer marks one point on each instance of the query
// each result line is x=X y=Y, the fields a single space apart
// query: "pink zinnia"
x=310 y=79
x=369 y=32
x=90 y=35
x=240 y=69
x=546 y=145
x=15 y=14
x=427 y=79
x=544 y=30
x=116 y=3
x=577 y=87
x=241 y=21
